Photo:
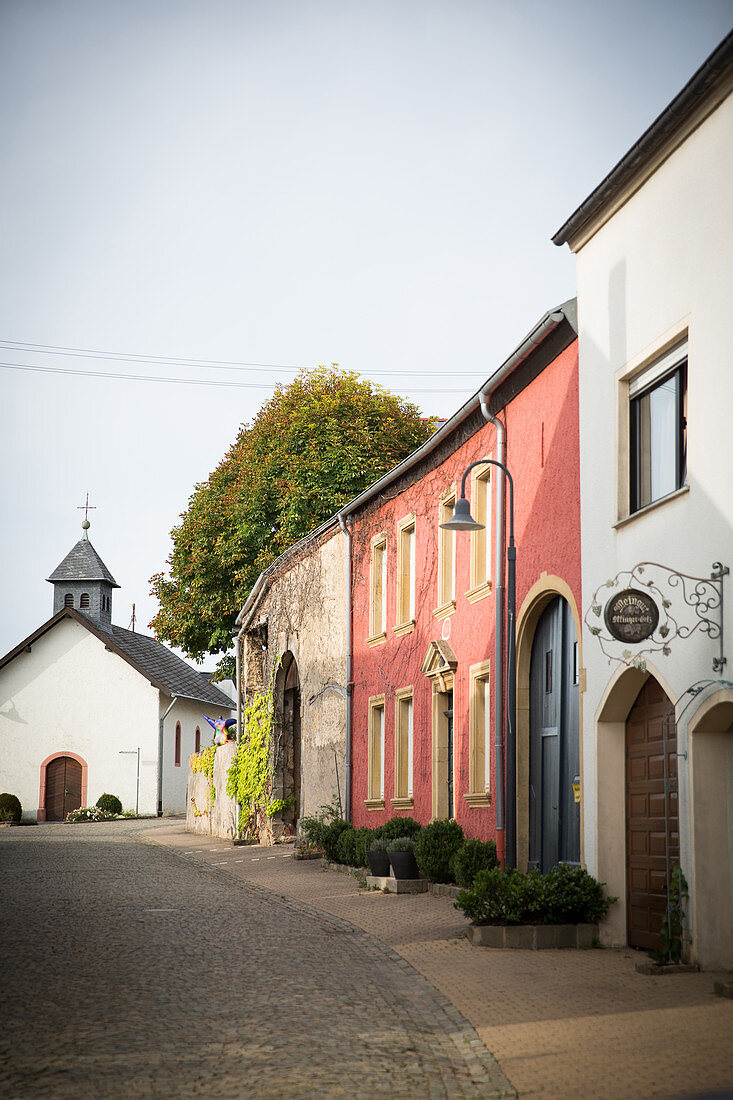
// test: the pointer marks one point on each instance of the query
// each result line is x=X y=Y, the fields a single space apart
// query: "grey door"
x=554 y=751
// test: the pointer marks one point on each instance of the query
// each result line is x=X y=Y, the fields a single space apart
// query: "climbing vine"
x=249 y=778
x=204 y=762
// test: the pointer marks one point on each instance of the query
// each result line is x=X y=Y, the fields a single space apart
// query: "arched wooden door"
x=646 y=822
x=63 y=787
x=290 y=764
x=554 y=749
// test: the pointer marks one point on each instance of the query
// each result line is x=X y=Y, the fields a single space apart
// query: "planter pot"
x=403 y=864
x=378 y=864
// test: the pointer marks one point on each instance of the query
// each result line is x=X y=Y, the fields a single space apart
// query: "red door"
x=646 y=824
x=63 y=787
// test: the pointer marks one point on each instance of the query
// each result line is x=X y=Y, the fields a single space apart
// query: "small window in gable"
x=84 y=602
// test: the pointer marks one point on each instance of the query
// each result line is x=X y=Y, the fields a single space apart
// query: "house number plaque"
x=631 y=616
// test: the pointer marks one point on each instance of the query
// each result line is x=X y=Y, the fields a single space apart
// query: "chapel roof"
x=82 y=563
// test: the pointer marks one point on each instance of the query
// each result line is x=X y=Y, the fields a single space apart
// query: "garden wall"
x=220 y=817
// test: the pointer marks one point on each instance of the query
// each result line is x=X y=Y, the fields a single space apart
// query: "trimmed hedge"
x=435 y=847
x=565 y=895
x=110 y=803
x=474 y=856
x=398 y=826
x=352 y=846
x=10 y=807
x=330 y=838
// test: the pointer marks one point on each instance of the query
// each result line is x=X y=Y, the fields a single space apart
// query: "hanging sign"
x=631 y=616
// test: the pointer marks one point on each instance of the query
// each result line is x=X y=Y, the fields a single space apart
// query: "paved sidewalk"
x=563 y=1025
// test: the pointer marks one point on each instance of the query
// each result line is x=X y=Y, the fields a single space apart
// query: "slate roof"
x=82 y=563
x=151 y=659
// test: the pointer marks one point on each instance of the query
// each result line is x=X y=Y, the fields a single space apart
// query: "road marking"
x=212 y=849
x=239 y=861
x=272 y=857
x=255 y=859
x=222 y=864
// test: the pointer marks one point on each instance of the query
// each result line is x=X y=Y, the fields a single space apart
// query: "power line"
x=173 y=381
x=220 y=364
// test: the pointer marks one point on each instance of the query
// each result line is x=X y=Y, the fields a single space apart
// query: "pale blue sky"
x=281 y=182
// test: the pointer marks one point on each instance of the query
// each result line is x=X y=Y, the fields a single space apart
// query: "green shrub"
x=474 y=856
x=312 y=827
x=566 y=895
x=110 y=803
x=10 y=807
x=352 y=845
x=435 y=846
x=330 y=838
x=401 y=844
x=398 y=826
x=377 y=843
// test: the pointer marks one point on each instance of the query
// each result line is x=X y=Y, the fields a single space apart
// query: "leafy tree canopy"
x=312 y=447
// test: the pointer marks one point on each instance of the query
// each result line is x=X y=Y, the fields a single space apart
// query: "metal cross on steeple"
x=85 y=522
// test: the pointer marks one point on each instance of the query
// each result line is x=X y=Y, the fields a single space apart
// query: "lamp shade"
x=461 y=520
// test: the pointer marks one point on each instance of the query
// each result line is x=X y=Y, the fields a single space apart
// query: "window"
x=405 y=576
x=197 y=740
x=480 y=540
x=479 y=736
x=84 y=602
x=403 y=742
x=177 y=756
x=69 y=600
x=378 y=591
x=446 y=558
x=375 y=788
x=658 y=426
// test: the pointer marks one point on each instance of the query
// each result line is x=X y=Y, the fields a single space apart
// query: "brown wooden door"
x=646 y=865
x=63 y=787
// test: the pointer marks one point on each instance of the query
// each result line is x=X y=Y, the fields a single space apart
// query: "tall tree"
x=312 y=447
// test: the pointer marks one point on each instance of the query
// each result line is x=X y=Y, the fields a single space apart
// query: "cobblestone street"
x=127 y=970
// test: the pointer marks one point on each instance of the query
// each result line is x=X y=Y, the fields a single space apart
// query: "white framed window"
x=658 y=429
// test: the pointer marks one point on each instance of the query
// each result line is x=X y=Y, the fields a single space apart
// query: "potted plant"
x=401 y=853
x=377 y=857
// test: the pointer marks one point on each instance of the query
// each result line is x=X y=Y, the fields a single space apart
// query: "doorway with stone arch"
x=287 y=746
x=63 y=786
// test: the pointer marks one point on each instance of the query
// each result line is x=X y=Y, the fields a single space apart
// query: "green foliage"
x=566 y=895
x=312 y=827
x=249 y=775
x=401 y=844
x=377 y=843
x=472 y=857
x=435 y=846
x=313 y=446
x=88 y=813
x=330 y=839
x=277 y=805
x=672 y=921
x=352 y=845
x=204 y=762
x=10 y=807
x=398 y=826
x=110 y=803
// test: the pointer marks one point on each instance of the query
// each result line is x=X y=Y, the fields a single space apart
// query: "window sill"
x=374 y=803
x=406 y=802
x=404 y=628
x=480 y=592
x=650 y=507
x=480 y=798
x=376 y=639
x=444 y=610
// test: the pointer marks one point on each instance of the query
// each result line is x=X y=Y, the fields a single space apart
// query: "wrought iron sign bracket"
x=651 y=605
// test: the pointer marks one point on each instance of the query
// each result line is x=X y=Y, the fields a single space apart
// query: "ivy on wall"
x=204 y=762
x=249 y=778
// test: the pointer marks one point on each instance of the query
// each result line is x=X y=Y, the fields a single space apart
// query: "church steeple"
x=83 y=581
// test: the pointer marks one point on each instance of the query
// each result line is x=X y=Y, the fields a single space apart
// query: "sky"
x=280 y=183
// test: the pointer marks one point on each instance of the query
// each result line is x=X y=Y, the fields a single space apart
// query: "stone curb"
x=533 y=937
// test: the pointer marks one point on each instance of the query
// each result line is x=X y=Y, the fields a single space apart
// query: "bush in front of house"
x=435 y=846
x=10 y=807
x=110 y=803
x=398 y=826
x=88 y=813
x=566 y=895
x=472 y=857
x=352 y=844
x=330 y=838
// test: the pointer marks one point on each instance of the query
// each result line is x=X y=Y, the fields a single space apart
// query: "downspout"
x=498 y=629
x=349 y=667
x=160 y=755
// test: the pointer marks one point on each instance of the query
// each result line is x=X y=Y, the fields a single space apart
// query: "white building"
x=654 y=246
x=86 y=705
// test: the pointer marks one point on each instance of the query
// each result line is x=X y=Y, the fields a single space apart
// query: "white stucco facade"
x=659 y=271
x=67 y=693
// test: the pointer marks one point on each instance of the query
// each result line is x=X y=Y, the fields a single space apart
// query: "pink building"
x=428 y=689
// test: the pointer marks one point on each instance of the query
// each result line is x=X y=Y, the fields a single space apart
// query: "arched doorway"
x=652 y=831
x=554 y=747
x=288 y=751
x=63 y=787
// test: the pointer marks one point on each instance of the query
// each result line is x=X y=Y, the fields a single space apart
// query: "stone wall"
x=221 y=818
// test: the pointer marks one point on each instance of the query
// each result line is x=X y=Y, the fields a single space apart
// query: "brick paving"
x=128 y=970
x=563 y=1025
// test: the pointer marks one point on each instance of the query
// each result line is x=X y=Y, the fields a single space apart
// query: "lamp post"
x=131 y=752
x=462 y=520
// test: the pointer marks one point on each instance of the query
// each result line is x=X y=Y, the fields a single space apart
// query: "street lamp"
x=131 y=752
x=462 y=520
